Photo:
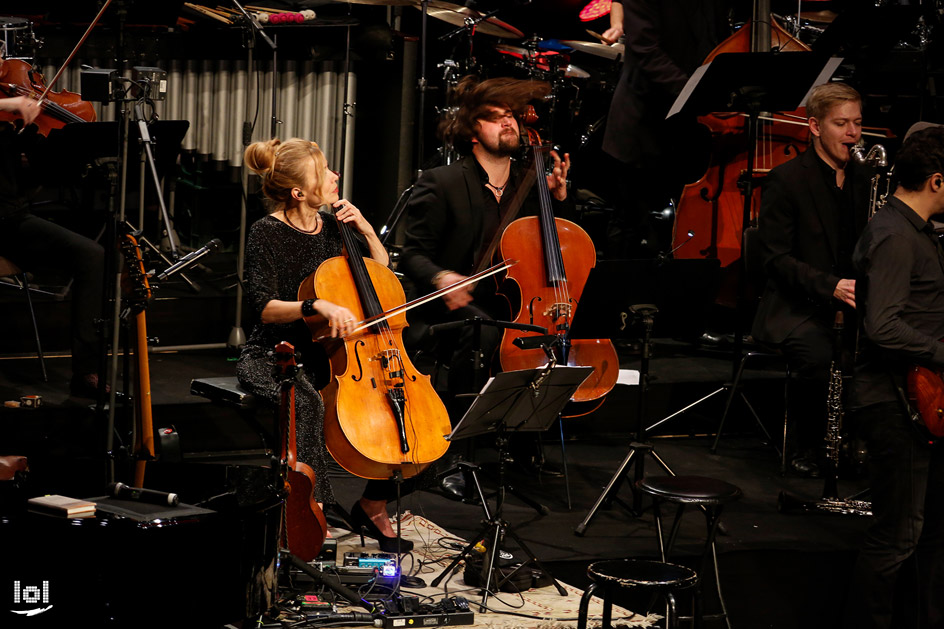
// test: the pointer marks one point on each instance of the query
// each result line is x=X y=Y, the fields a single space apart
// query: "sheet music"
x=687 y=90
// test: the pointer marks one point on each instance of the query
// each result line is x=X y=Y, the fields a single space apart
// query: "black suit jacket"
x=799 y=240
x=665 y=41
x=443 y=230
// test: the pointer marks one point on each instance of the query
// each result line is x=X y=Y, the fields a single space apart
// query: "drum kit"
x=552 y=60
x=16 y=38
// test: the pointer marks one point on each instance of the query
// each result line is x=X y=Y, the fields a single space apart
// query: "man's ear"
x=814 y=127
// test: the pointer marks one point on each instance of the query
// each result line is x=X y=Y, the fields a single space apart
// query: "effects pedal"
x=384 y=563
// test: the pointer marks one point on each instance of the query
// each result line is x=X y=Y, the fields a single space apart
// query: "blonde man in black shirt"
x=900 y=297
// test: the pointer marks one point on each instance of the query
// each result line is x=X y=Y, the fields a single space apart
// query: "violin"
x=555 y=257
x=305 y=527
x=18 y=78
x=381 y=415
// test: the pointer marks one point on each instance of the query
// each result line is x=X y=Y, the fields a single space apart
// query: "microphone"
x=125 y=492
x=190 y=259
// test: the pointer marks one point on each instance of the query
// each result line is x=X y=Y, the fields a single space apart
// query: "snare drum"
x=16 y=38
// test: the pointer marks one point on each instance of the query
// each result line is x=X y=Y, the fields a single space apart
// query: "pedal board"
x=406 y=612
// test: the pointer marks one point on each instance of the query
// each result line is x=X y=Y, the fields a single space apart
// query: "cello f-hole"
x=531 y=308
x=357 y=357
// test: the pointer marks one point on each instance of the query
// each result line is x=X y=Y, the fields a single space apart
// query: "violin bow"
x=383 y=316
x=74 y=51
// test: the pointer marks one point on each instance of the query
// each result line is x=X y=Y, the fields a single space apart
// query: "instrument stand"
x=513 y=401
x=639 y=447
x=237 y=336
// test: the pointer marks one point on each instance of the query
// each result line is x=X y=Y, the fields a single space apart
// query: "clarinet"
x=830 y=502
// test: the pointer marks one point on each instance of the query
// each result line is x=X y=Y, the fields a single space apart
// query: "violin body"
x=713 y=206
x=381 y=414
x=541 y=302
x=926 y=392
x=305 y=525
x=18 y=78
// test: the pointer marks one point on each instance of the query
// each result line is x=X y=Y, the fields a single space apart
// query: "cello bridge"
x=558 y=310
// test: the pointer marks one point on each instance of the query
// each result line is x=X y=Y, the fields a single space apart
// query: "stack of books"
x=62 y=506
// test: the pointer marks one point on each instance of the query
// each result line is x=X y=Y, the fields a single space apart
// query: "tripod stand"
x=638 y=448
x=525 y=400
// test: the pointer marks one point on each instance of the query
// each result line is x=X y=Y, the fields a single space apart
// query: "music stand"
x=512 y=401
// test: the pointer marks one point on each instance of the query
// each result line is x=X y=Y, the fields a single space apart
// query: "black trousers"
x=809 y=350
x=34 y=243
x=907 y=481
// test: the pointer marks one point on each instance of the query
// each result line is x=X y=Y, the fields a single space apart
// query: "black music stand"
x=479 y=377
x=751 y=83
x=513 y=401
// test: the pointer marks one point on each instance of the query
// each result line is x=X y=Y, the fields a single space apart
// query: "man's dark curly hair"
x=472 y=97
x=920 y=156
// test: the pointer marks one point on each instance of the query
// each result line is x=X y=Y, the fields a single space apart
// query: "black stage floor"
x=777 y=570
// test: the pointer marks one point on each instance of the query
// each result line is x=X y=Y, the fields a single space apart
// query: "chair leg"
x=786 y=422
x=671 y=613
x=39 y=347
x=585 y=606
x=724 y=608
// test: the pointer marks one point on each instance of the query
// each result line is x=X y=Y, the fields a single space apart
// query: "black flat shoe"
x=365 y=526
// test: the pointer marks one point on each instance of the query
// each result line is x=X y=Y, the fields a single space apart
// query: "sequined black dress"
x=278 y=258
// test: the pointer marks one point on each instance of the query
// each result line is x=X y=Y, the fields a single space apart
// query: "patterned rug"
x=435 y=548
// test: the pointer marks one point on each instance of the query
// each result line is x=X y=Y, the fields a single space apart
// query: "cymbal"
x=457 y=15
x=517 y=51
x=611 y=51
x=575 y=72
x=824 y=17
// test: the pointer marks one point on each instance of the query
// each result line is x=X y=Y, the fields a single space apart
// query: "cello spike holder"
x=513 y=401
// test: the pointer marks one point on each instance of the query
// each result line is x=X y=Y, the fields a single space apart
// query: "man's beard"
x=506 y=146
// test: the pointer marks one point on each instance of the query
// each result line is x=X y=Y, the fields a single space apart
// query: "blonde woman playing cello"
x=283 y=249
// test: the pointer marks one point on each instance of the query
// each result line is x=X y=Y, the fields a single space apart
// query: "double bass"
x=555 y=257
x=381 y=415
x=712 y=207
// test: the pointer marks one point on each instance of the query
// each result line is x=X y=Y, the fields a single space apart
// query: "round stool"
x=710 y=495
x=652 y=577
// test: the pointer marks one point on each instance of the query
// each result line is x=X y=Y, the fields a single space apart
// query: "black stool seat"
x=653 y=577
x=689 y=489
x=656 y=575
x=710 y=495
x=224 y=389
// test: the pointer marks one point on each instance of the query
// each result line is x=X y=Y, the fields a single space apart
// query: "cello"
x=555 y=257
x=304 y=526
x=381 y=415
